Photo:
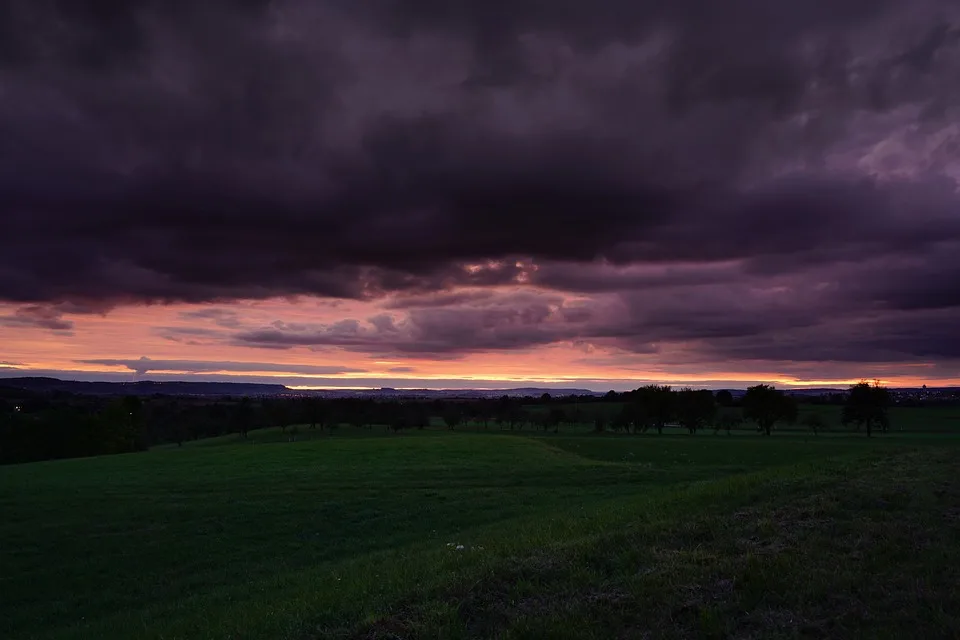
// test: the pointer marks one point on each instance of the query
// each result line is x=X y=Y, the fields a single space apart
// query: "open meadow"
x=447 y=534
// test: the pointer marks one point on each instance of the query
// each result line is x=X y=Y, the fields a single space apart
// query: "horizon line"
x=532 y=384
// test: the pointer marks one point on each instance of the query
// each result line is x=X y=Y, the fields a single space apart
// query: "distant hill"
x=186 y=388
x=145 y=387
x=386 y=392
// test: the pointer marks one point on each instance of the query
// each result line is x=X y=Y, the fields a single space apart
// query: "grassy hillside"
x=439 y=534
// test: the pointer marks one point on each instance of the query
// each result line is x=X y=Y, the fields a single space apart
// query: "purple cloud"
x=226 y=318
x=144 y=365
x=752 y=180
x=39 y=317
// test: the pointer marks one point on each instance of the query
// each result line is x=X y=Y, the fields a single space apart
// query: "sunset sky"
x=481 y=193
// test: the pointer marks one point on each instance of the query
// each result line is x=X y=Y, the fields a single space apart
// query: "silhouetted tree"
x=727 y=421
x=315 y=413
x=766 y=406
x=244 y=416
x=134 y=408
x=399 y=417
x=724 y=398
x=115 y=429
x=867 y=405
x=695 y=408
x=555 y=418
x=278 y=412
x=419 y=415
x=653 y=405
x=357 y=415
x=599 y=424
x=485 y=413
x=623 y=419
x=210 y=419
x=519 y=417
x=576 y=415
x=178 y=427
x=541 y=420
x=452 y=417
x=814 y=422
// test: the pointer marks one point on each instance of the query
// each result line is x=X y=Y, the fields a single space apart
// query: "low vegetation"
x=43 y=426
x=487 y=534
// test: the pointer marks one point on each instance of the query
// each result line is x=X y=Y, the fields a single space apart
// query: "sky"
x=481 y=193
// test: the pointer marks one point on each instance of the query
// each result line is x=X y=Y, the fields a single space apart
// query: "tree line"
x=656 y=407
x=41 y=426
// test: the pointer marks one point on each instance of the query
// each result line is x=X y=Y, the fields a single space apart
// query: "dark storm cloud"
x=822 y=314
x=502 y=322
x=145 y=365
x=643 y=150
x=438 y=299
x=890 y=338
x=862 y=312
x=604 y=277
x=37 y=316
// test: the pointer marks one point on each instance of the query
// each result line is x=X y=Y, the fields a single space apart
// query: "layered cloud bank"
x=663 y=187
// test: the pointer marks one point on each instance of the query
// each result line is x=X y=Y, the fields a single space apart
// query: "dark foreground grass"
x=862 y=548
x=561 y=537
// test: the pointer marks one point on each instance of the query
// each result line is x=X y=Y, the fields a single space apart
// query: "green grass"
x=564 y=536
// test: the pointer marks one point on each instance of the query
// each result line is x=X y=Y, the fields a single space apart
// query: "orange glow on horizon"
x=177 y=333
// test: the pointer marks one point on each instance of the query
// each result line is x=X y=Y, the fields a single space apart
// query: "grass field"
x=436 y=534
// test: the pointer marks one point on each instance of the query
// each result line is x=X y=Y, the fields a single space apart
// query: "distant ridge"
x=187 y=388
x=387 y=392
x=213 y=389
x=144 y=387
